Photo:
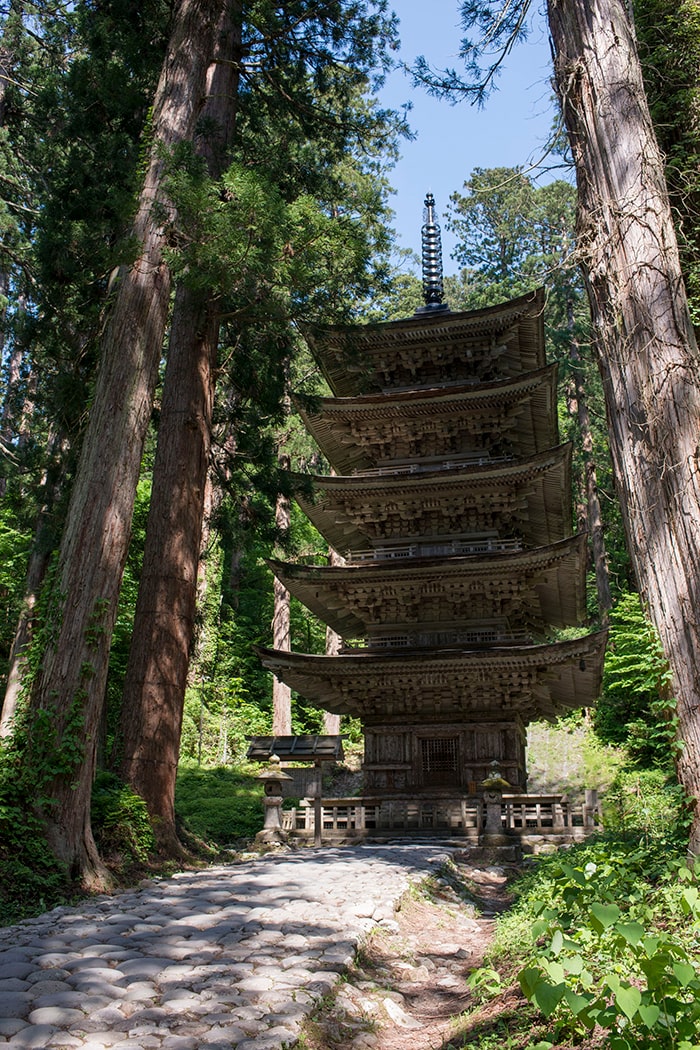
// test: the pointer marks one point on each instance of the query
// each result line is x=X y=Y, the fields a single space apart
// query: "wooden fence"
x=350 y=818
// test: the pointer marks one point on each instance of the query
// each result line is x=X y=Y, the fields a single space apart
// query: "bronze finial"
x=433 y=290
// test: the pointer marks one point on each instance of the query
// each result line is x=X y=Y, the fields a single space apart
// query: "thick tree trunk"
x=578 y=405
x=647 y=351
x=164 y=624
x=71 y=684
x=281 y=626
x=156 y=675
x=331 y=722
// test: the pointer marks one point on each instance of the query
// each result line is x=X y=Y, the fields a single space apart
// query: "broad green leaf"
x=528 y=979
x=555 y=970
x=547 y=997
x=557 y=942
x=690 y=899
x=574 y=965
x=629 y=1000
x=684 y=972
x=586 y=979
x=613 y=983
x=650 y=945
x=575 y=874
x=604 y=915
x=631 y=931
x=575 y=1002
x=539 y=927
x=649 y=1014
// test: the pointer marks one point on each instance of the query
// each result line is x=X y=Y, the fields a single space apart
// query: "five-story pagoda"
x=451 y=506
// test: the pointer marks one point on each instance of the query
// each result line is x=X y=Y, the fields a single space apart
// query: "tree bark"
x=593 y=518
x=164 y=623
x=643 y=335
x=281 y=625
x=70 y=686
x=331 y=722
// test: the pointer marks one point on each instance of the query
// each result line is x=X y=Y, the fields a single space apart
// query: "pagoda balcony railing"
x=473 y=545
x=539 y=815
x=451 y=638
x=430 y=467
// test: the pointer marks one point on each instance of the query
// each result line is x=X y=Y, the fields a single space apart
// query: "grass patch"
x=219 y=805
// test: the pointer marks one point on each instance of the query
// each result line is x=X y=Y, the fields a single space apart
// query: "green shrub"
x=635 y=709
x=31 y=878
x=219 y=805
x=120 y=822
x=606 y=935
x=647 y=802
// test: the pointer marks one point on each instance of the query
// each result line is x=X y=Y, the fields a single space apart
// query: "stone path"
x=233 y=956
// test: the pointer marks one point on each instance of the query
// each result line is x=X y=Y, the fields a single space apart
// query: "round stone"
x=59 y=1016
x=10 y=1026
x=15 y=1004
x=34 y=1035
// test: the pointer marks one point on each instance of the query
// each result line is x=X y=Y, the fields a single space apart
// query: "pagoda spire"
x=433 y=290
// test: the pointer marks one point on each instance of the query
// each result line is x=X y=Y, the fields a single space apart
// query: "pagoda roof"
x=507 y=417
x=528 y=590
x=526 y=498
x=531 y=682
x=428 y=348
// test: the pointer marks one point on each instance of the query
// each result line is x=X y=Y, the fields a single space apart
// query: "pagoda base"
x=443 y=758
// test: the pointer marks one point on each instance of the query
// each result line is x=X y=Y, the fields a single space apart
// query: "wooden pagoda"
x=451 y=506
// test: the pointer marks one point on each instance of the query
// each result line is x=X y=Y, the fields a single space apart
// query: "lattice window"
x=440 y=759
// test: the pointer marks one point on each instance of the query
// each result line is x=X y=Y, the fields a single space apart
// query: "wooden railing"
x=452 y=639
x=360 y=817
x=475 y=545
x=425 y=466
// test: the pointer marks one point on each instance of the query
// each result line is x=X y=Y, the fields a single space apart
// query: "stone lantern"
x=272 y=778
x=493 y=787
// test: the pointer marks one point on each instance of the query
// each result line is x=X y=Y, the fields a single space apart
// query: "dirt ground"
x=408 y=987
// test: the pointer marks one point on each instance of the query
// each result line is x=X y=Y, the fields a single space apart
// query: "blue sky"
x=453 y=140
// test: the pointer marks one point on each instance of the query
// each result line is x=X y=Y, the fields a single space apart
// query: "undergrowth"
x=222 y=806
x=604 y=940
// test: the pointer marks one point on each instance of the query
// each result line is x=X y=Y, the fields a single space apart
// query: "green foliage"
x=606 y=955
x=217 y=719
x=634 y=708
x=567 y=757
x=31 y=879
x=514 y=236
x=14 y=550
x=219 y=805
x=668 y=33
x=120 y=822
x=647 y=801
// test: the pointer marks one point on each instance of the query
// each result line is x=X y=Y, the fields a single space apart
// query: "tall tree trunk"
x=70 y=686
x=331 y=722
x=156 y=676
x=39 y=560
x=647 y=351
x=594 y=517
x=281 y=625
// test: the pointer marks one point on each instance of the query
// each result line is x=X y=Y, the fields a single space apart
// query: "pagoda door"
x=440 y=762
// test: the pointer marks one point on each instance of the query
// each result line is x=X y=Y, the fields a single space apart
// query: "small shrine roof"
x=531 y=682
x=531 y=589
x=496 y=341
x=529 y=498
x=514 y=415
x=305 y=748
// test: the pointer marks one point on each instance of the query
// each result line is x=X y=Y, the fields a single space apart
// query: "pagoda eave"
x=528 y=498
x=549 y=581
x=371 y=431
x=527 y=682
x=353 y=358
